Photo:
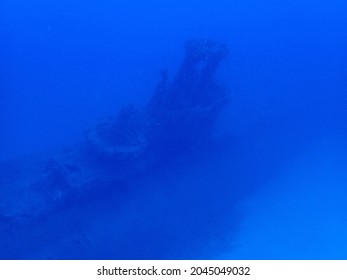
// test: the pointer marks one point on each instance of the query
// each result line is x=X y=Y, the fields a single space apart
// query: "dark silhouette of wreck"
x=181 y=113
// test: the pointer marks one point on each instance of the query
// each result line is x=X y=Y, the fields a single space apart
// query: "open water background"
x=276 y=186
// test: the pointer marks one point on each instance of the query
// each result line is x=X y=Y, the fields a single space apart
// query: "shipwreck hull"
x=116 y=153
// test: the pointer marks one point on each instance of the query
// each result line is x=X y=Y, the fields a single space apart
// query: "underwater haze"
x=135 y=129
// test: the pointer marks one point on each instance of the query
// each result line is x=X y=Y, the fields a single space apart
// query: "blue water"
x=270 y=185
